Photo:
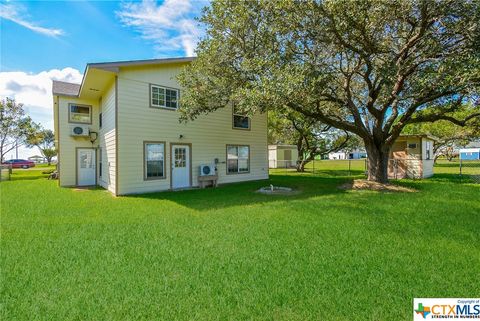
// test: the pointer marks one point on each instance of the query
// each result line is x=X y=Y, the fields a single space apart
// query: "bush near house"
x=232 y=254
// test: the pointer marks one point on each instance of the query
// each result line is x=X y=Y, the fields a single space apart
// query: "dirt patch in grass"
x=363 y=184
x=84 y=189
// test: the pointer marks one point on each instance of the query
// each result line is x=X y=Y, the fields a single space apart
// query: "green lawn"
x=232 y=254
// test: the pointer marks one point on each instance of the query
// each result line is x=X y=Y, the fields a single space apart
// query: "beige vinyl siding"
x=417 y=166
x=414 y=168
x=106 y=139
x=208 y=135
x=68 y=144
x=428 y=168
x=414 y=152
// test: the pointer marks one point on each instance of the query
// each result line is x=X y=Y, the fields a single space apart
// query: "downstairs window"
x=238 y=159
x=154 y=160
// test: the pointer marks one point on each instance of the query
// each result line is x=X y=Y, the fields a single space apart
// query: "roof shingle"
x=65 y=88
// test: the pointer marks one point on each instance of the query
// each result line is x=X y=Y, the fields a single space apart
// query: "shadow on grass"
x=237 y=194
x=309 y=185
x=436 y=180
x=452 y=178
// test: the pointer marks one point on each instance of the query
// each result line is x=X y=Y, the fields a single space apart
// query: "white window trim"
x=164 y=88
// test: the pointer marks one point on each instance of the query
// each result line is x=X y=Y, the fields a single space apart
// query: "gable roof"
x=431 y=137
x=65 y=88
x=114 y=65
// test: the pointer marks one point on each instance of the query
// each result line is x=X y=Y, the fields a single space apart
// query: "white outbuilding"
x=282 y=156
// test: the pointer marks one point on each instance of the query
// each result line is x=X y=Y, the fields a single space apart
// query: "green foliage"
x=233 y=254
x=450 y=136
x=367 y=67
x=45 y=141
x=311 y=137
x=15 y=126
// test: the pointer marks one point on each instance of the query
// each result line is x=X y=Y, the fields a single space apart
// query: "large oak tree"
x=366 y=67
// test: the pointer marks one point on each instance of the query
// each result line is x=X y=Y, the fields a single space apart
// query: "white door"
x=86 y=167
x=180 y=166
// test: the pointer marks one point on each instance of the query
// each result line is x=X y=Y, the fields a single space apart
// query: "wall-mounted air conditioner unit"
x=79 y=131
x=206 y=170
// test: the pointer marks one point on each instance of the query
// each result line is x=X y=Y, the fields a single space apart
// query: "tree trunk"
x=301 y=166
x=377 y=162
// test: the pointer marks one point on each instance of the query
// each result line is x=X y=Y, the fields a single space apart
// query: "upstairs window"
x=240 y=121
x=79 y=114
x=162 y=97
x=238 y=159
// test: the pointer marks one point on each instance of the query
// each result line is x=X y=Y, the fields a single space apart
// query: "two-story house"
x=120 y=129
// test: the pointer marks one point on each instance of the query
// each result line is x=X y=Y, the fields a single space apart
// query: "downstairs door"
x=86 y=174
x=180 y=166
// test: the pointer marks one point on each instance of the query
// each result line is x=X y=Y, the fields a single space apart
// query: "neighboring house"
x=412 y=156
x=282 y=156
x=37 y=159
x=470 y=153
x=348 y=154
x=120 y=129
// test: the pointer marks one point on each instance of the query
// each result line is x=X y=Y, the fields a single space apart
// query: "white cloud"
x=35 y=92
x=171 y=26
x=17 y=13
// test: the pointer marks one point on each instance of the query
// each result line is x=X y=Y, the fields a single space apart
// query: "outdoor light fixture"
x=93 y=136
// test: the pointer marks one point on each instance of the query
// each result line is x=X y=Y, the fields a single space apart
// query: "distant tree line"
x=18 y=129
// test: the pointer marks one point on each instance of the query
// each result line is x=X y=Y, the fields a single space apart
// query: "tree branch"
x=435 y=117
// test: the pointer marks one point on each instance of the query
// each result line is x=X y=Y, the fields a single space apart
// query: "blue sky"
x=45 y=40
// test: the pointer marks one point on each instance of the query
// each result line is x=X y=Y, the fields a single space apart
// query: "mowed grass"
x=232 y=254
